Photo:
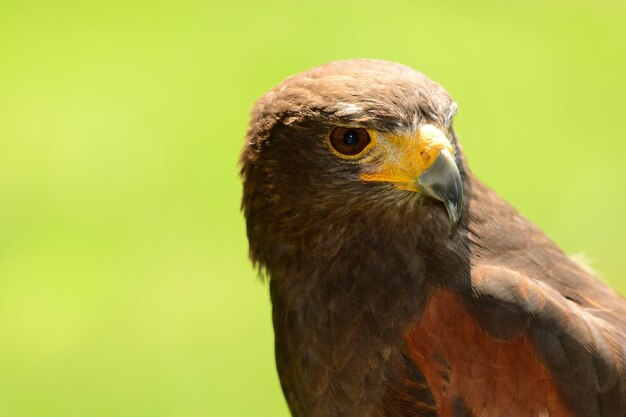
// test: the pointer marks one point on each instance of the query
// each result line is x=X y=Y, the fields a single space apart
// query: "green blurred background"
x=125 y=289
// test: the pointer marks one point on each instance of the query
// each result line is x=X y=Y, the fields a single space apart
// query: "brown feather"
x=493 y=377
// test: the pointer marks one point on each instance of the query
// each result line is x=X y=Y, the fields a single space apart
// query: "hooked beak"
x=421 y=163
x=442 y=181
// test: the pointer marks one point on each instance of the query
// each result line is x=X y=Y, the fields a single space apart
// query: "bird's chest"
x=336 y=346
x=469 y=372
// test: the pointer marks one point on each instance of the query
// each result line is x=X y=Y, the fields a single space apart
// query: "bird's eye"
x=349 y=142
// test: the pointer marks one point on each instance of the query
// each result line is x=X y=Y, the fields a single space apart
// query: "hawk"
x=401 y=285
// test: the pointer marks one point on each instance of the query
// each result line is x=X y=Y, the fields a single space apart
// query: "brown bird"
x=401 y=285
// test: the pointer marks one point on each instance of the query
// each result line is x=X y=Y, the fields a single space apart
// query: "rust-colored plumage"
x=401 y=285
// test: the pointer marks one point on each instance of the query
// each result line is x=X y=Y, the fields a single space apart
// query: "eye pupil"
x=351 y=138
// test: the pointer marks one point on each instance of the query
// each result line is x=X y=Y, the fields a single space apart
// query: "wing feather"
x=584 y=352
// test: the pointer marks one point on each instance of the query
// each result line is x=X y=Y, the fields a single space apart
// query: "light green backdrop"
x=124 y=284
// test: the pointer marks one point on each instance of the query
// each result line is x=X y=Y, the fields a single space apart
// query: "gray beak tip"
x=442 y=181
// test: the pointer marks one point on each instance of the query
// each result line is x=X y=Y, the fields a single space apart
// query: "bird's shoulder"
x=510 y=340
x=479 y=362
x=574 y=335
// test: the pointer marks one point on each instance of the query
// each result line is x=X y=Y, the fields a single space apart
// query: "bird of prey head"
x=401 y=285
x=355 y=135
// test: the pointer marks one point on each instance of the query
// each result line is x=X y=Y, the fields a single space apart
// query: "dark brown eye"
x=349 y=141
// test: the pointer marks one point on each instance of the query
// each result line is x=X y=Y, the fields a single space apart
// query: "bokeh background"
x=125 y=288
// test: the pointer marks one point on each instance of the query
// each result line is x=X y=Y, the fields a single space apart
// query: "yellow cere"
x=405 y=158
